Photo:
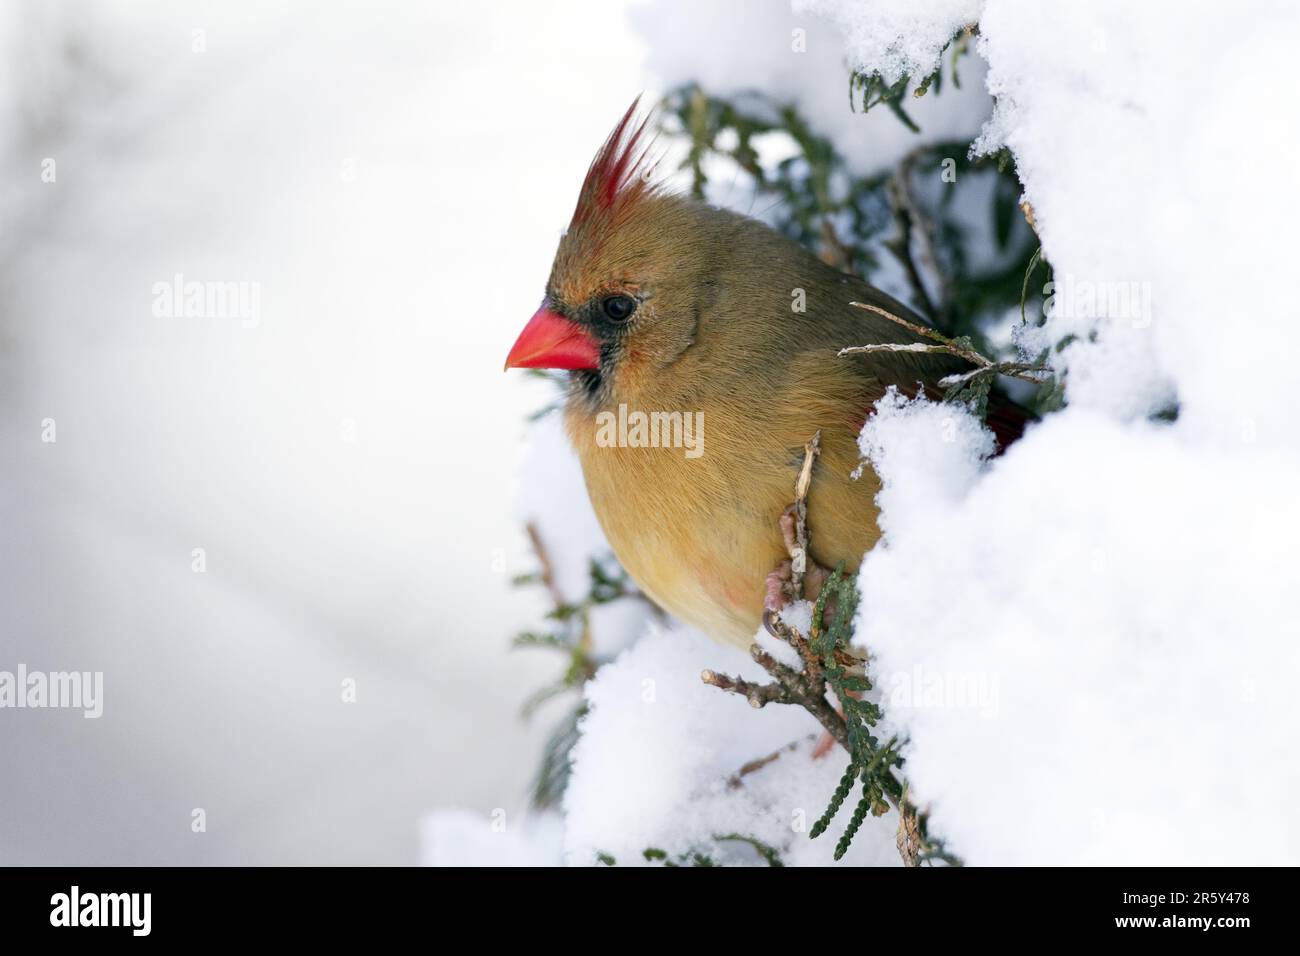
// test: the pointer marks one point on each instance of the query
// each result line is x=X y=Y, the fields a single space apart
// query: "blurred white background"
x=387 y=173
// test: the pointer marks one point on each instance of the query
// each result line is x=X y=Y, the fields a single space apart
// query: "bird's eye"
x=618 y=308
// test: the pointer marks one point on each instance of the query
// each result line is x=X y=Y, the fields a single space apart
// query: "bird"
x=658 y=302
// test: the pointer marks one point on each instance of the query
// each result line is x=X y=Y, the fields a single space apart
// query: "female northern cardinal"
x=658 y=303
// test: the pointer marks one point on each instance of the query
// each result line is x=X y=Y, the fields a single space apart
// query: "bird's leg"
x=802 y=565
x=800 y=577
x=797 y=577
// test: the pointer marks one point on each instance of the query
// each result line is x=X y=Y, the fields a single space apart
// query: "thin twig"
x=908 y=839
x=799 y=553
x=758 y=695
x=897 y=347
x=737 y=779
x=1025 y=371
x=984 y=366
x=547 y=573
x=806 y=690
x=924 y=331
x=906 y=215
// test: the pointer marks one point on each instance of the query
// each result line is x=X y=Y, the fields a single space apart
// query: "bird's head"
x=632 y=275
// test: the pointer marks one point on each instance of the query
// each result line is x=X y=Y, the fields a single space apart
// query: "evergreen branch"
x=827 y=661
x=758 y=695
x=961 y=348
x=547 y=573
x=855 y=822
x=571 y=636
x=1026 y=371
x=837 y=800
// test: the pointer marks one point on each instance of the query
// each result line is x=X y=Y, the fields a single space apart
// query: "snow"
x=1132 y=629
x=733 y=47
x=939 y=448
x=659 y=747
x=1124 y=591
x=451 y=837
x=1154 y=161
x=895 y=37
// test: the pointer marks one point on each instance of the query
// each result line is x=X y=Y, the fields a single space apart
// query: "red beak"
x=549 y=340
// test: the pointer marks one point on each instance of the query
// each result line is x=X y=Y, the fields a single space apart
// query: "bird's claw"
x=778 y=584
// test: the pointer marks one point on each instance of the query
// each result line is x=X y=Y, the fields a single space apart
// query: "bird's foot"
x=799 y=576
x=778 y=584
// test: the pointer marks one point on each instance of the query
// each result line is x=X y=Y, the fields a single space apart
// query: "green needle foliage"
x=872 y=90
x=870 y=764
x=805 y=193
x=568 y=632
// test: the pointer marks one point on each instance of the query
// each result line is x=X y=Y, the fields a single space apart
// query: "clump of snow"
x=896 y=37
x=1092 y=648
x=940 y=448
x=734 y=47
x=1150 y=161
x=1090 y=640
x=658 y=752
